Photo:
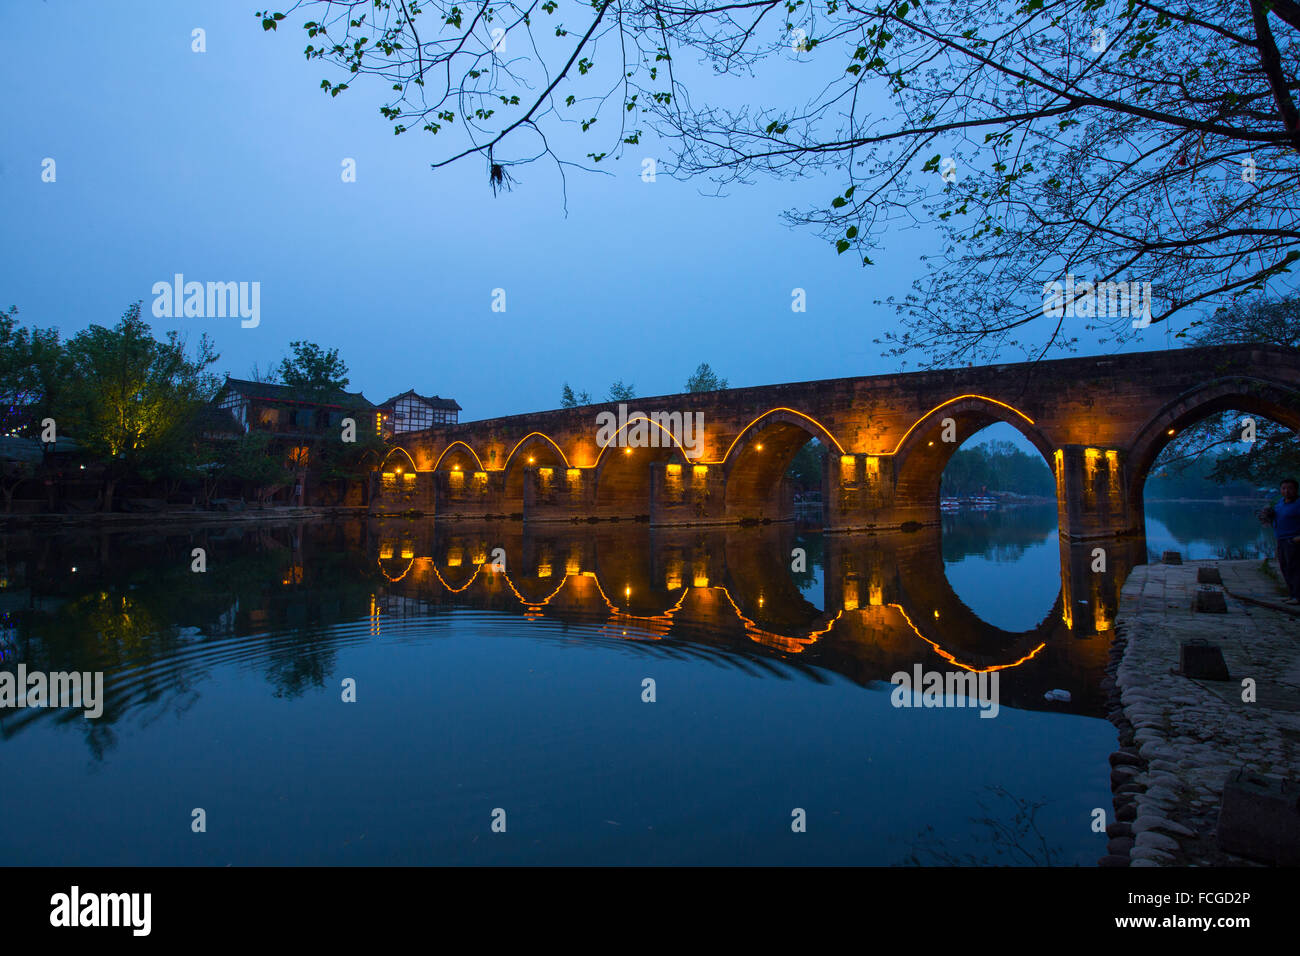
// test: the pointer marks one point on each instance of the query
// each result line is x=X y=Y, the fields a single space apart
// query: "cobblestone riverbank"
x=1180 y=738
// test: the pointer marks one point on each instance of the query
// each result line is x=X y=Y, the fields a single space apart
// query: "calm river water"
x=501 y=676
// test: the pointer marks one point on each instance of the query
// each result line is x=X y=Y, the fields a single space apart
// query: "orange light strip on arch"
x=462 y=587
x=463 y=445
x=644 y=418
x=613 y=607
x=523 y=600
x=982 y=398
x=792 y=645
x=539 y=435
x=409 y=564
x=815 y=635
x=782 y=408
x=398 y=448
x=948 y=657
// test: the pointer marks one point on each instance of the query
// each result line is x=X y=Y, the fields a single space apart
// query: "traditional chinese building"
x=413 y=412
x=290 y=413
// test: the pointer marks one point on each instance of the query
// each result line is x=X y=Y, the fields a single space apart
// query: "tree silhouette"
x=1117 y=140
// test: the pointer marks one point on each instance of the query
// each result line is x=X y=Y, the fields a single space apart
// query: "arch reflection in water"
x=886 y=605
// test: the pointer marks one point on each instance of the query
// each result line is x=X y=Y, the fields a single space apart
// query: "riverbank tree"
x=133 y=401
x=134 y=410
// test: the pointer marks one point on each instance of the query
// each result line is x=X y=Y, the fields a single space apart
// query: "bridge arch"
x=458 y=456
x=535 y=449
x=460 y=481
x=401 y=454
x=922 y=453
x=1267 y=398
x=622 y=473
x=395 y=477
x=759 y=457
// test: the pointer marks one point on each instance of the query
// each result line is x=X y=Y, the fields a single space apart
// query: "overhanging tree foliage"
x=1115 y=140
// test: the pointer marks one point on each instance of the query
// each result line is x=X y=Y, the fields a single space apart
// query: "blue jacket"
x=1286 y=523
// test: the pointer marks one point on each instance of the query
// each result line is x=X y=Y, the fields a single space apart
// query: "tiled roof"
x=433 y=401
x=268 y=391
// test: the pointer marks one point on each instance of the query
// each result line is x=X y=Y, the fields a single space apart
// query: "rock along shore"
x=1180 y=738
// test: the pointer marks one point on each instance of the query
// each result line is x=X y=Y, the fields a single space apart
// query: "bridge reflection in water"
x=886 y=602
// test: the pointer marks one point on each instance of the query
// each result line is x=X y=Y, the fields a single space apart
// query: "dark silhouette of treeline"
x=996 y=466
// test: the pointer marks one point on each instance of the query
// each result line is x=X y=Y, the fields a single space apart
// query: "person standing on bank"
x=1285 y=519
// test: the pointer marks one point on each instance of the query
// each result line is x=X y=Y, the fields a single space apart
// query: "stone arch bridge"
x=1099 y=422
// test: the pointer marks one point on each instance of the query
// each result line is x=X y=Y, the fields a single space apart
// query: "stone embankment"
x=1182 y=737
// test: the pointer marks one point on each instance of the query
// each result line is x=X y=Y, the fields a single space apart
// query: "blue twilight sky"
x=225 y=165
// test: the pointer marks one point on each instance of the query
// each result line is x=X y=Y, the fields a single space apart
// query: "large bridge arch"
x=534 y=450
x=460 y=482
x=1278 y=401
x=622 y=471
x=756 y=463
x=922 y=453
